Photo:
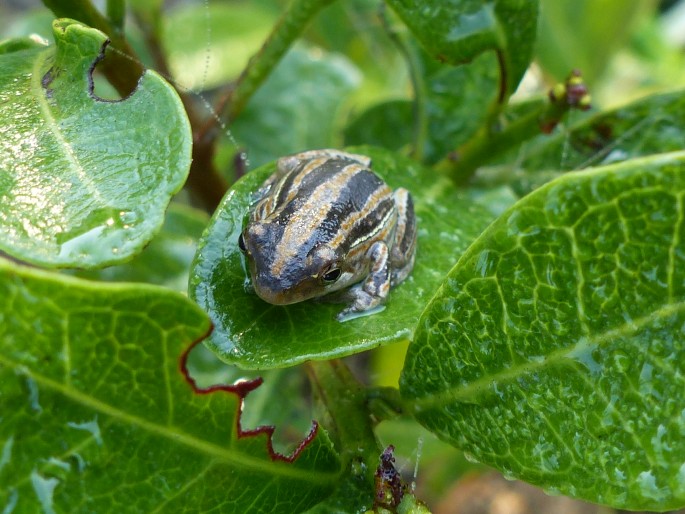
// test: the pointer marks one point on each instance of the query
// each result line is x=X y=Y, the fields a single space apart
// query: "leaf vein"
x=175 y=436
x=461 y=392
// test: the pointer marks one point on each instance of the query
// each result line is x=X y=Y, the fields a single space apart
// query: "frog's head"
x=284 y=272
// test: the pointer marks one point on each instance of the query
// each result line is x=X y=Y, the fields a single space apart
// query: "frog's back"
x=328 y=200
x=325 y=222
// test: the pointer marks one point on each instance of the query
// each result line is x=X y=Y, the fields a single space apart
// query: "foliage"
x=543 y=317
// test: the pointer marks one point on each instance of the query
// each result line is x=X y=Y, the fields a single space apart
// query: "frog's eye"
x=241 y=244
x=331 y=275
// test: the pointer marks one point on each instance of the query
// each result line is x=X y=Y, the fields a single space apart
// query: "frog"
x=325 y=226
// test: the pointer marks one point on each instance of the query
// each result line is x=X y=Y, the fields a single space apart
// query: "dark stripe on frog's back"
x=362 y=194
x=363 y=229
x=350 y=197
x=308 y=176
x=279 y=191
x=350 y=202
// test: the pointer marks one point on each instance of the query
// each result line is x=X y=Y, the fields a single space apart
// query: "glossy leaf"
x=253 y=334
x=97 y=417
x=457 y=31
x=455 y=102
x=554 y=351
x=167 y=259
x=647 y=126
x=296 y=108
x=83 y=182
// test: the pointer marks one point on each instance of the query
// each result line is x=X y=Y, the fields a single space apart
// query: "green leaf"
x=371 y=126
x=29 y=23
x=209 y=45
x=18 y=44
x=647 y=126
x=97 y=417
x=455 y=103
x=573 y=34
x=457 y=31
x=458 y=103
x=278 y=402
x=297 y=107
x=84 y=182
x=554 y=350
x=167 y=259
x=253 y=334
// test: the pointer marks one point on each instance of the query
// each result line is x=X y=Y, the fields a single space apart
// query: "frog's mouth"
x=287 y=295
x=273 y=297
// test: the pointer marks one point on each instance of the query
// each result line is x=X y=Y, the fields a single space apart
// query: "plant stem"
x=463 y=163
x=345 y=400
x=487 y=143
x=287 y=29
x=491 y=141
x=416 y=76
x=384 y=403
x=121 y=67
x=116 y=14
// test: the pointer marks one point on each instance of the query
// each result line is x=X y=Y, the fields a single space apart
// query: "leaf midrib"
x=214 y=451
x=464 y=393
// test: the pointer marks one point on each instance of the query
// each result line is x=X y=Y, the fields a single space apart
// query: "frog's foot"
x=373 y=291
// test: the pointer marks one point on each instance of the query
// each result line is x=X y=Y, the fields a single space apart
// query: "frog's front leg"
x=373 y=291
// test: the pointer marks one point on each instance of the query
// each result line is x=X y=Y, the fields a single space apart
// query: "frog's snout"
x=273 y=296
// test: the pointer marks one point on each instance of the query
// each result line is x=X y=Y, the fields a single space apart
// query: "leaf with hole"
x=97 y=417
x=83 y=182
x=554 y=351
x=253 y=334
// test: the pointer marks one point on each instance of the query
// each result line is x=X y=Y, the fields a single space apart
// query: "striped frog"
x=325 y=223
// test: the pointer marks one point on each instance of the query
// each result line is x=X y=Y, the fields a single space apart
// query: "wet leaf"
x=253 y=334
x=457 y=31
x=97 y=417
x=83 y=182
x=554 y=351
x=167 y=259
